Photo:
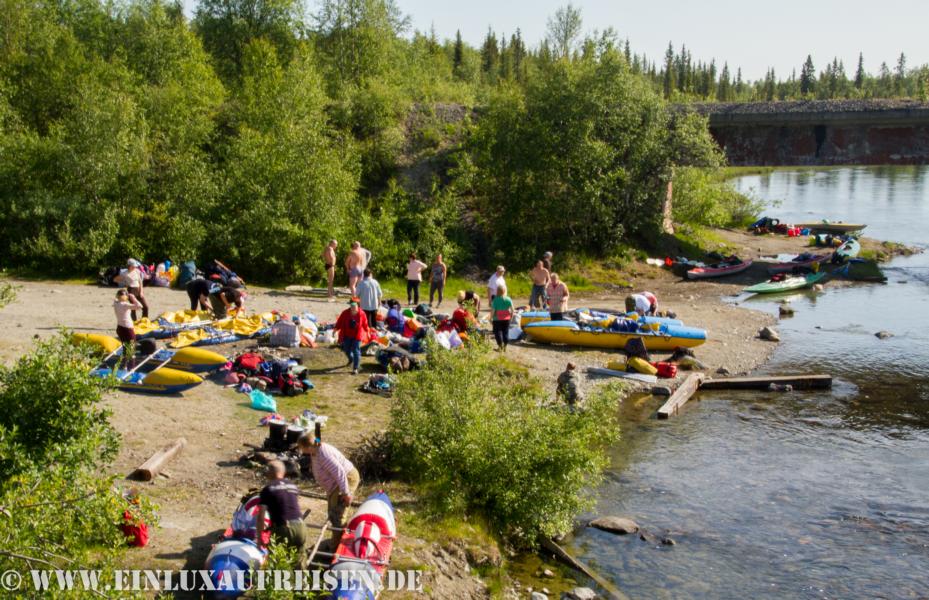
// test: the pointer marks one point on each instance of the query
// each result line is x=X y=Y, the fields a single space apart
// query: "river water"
x=798 y=495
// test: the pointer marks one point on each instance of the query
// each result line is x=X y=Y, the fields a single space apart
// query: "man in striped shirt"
x=336 y=475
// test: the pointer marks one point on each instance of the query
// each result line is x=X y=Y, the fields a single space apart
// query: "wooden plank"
x=799 y=382
x=562 y=555
x=150 y=468
x=681 y=395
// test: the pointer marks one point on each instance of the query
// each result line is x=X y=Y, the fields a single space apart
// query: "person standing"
x=280 y=505
x=496 y=280
x=414 y=276
x=336 y=475
x=124 y=303
x=352 y=327
x=547 y=261
x=369 y=296
x=502 y=308
x=540 y=278
x=557 y=297
x=133 y=282
x=355 y=263
x=644 y=303
x=437 y=277
x=569 y=386
x=329 y=259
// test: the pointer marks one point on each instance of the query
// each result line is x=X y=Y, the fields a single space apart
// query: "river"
x=797 y=495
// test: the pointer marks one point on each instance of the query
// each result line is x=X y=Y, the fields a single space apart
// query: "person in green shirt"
x=502 y=309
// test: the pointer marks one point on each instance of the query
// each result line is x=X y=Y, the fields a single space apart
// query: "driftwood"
x=150 y=468
x=562 y=555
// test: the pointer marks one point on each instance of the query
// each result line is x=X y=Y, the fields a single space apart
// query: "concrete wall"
x=844 y=132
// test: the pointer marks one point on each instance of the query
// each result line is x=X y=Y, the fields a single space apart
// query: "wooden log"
x=562 y=555
x=150 y=468
x=799 y=382
x=319 y=540
x=681 y=395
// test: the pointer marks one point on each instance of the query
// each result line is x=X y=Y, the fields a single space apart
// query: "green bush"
x=56 y=511
x=700 y=198
x=479 y=437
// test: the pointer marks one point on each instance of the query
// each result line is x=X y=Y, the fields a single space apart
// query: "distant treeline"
x=257 y=131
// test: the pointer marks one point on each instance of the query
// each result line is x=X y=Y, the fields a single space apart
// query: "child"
x=124 y=304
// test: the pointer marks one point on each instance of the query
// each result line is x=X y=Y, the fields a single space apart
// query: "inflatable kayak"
x=361 y=559
x=535 y=316
x=719 y=269
x=802 y=260
x=159 y=381
x=232 y=560
x=667 y=337
x=785 y=285
x=828 y=227
x=195 y=360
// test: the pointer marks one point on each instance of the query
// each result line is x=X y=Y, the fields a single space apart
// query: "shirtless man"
x=355 y=264
x=328 y=257
x=540 y=278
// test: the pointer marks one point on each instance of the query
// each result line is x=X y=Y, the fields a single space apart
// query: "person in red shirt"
x=352 y=327
x=462 y=319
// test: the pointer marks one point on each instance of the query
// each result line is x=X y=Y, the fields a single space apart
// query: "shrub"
x=701 y=199
x=478 y=436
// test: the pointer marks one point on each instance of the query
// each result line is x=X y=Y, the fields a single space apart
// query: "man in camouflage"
x=569 y=386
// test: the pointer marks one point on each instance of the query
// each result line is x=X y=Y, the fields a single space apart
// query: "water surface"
x=798 y=495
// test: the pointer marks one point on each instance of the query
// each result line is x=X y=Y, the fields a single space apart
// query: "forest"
x=254 y=131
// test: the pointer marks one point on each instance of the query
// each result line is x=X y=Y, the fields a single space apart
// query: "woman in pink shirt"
x=557 y=297
x=414 y=276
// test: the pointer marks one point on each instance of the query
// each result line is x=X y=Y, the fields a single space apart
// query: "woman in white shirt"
x=414 y=276
x=133 y=281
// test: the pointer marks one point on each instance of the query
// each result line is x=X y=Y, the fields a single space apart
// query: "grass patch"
x=694 y=241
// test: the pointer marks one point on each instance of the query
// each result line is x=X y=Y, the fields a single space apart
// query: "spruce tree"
x=490 y=57
x=900 y=76
x=807 y=77
x=669 y=79
x=859 y=73
x=723 y=90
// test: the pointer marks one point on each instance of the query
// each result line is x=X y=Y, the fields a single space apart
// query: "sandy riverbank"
x=207 y=480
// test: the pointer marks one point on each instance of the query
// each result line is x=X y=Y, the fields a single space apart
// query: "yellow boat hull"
x=106 y=343
x=608 y=339
x=192 y=359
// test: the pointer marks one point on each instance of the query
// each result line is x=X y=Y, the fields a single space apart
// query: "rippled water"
x=809 y=495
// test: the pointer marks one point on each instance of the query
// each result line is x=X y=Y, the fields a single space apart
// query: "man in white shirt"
x=495 y=281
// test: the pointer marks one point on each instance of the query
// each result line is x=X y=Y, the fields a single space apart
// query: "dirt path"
x=206 y=481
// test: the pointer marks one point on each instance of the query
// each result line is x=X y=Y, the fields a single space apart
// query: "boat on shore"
x=190 y=359
x=786 y=284
x=663 y=337
x=847 y=251
x=160 y=381
x=721 y=269
x=805 y=260
x=588 y=315
x=827 y=227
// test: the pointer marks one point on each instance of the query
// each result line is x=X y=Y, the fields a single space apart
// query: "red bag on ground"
x=665 y=369
x=136 y=533
x=247 y=362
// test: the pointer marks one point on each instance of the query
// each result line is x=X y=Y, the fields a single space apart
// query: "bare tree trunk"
x=667 y=223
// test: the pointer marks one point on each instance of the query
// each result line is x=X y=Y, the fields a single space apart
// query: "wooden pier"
x=696 y=382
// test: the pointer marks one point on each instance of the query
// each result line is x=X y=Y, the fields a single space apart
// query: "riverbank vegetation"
x=56 y=511
x=255 y=136
x=481 y=438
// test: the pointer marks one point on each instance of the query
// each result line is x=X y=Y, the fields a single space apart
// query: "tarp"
x=226 y=330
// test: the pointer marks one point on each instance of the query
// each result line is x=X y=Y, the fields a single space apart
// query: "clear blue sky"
x=752 y=34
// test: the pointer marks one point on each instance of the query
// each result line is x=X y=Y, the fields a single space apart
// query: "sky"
x=750 y=34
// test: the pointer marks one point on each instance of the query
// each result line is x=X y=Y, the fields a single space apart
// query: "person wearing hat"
x=569 y=386
x=644 y=303
x=133 y=282
x=352 y=327
x=280 y=505
x=124 y=303
x=547 y=261
x=496 y=280
x=336 y=475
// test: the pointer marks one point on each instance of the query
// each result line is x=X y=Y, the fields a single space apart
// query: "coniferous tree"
x=518 y=51
x=627 y=52
x=723 y=90
x=859 y=72
x=900 y=76
x=807 y=77
x=490 y=58
x=504 y=59
x=669 y=81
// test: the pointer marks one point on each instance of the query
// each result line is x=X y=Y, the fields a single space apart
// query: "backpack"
x=247 y=363
x=289 y=384
x=186 y=274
